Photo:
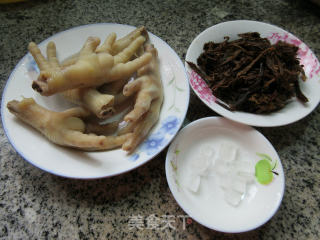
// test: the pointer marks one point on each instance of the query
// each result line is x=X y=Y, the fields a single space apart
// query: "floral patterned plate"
x=295 y=110
x=33 y=147
x=207 y=205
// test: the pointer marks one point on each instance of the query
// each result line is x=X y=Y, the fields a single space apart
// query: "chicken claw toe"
x=147 y=87
x=146 y=111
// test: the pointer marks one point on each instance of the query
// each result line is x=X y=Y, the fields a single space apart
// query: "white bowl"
x=207 y=206
x=293 y=111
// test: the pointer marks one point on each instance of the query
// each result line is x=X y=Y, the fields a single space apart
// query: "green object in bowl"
x=264 y=172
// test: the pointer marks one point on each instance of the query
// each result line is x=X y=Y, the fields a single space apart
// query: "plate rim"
x=218 y=109
x=171 y=184
x=20 y=62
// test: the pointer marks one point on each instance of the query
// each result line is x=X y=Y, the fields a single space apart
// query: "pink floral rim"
x=309 y=61
x=201 y=87
x=307 y=58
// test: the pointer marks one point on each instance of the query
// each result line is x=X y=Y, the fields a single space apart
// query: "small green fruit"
x=264 y=173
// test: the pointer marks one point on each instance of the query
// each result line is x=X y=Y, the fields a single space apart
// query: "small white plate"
x=208 y=206
x=66 y=162
x=293 y=111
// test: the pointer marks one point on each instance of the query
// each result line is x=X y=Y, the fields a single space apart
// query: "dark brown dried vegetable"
x=250 y=74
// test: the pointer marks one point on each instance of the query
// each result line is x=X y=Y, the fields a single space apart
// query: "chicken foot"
x=63 y=128
x=92 y=68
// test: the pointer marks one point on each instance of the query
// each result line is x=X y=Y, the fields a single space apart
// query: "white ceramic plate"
x=76 y=164
x=292 y=112
x=208 y=206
